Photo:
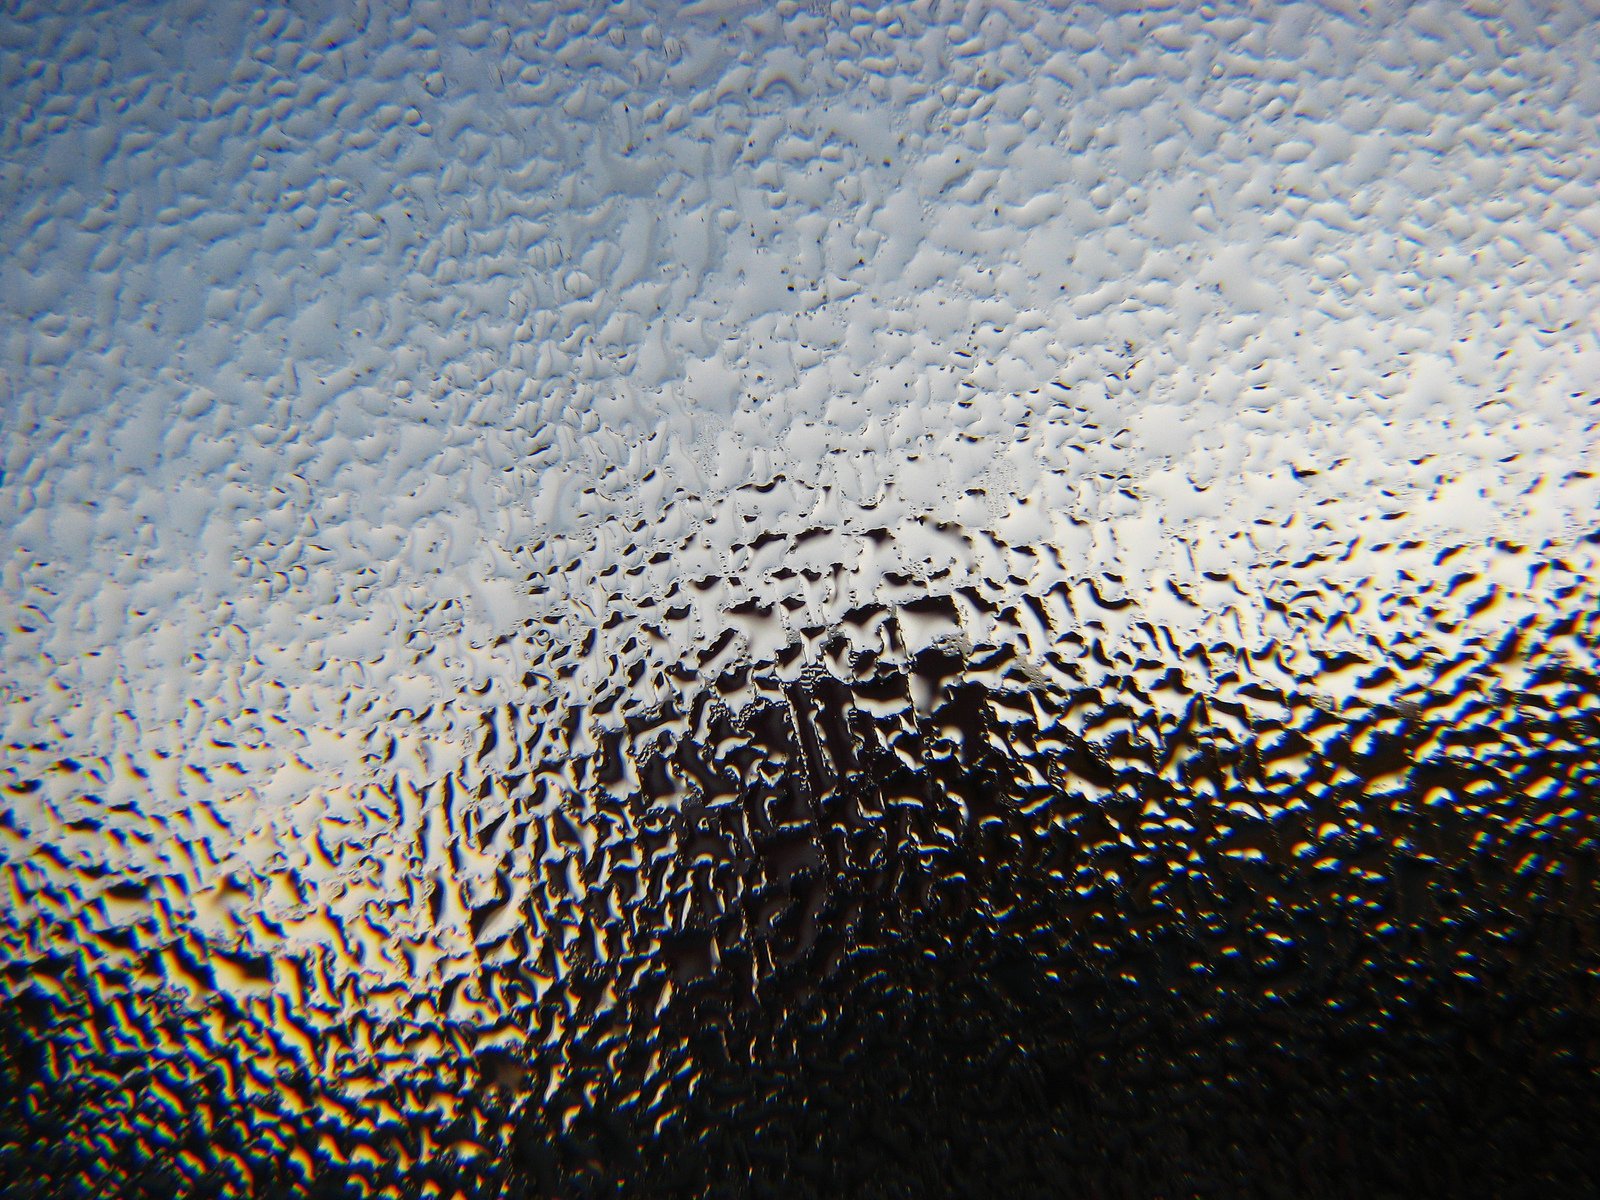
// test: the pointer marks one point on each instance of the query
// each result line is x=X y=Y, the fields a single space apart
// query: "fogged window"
x=798 y=599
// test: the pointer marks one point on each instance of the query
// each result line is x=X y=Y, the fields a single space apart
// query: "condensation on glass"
x=806 y=599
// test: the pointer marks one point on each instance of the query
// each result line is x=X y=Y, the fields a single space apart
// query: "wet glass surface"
x=798 y=600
